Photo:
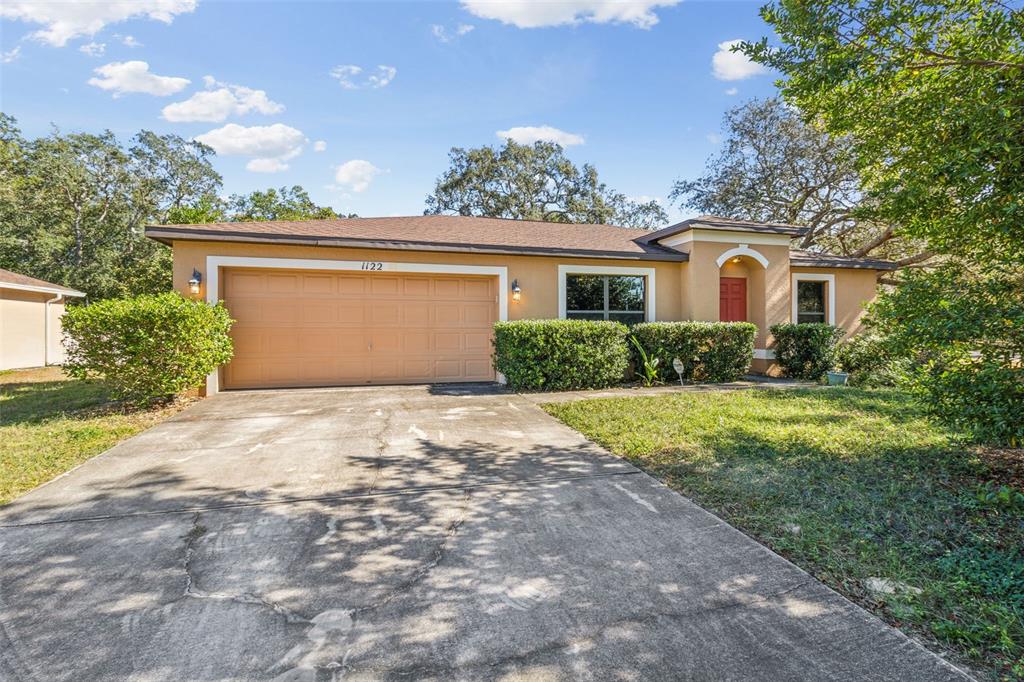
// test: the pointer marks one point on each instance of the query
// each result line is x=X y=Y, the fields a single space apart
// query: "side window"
x=810 y=302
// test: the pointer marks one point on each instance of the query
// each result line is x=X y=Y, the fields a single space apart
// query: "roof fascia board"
x=727 y=237
x=41 y=290
x=167 y=236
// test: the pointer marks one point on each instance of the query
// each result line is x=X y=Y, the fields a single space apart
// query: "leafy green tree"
x=775 y=167
x=534 y=182
x=74 y=206
x=286 y=203
x=965 y=326
x=931 y=96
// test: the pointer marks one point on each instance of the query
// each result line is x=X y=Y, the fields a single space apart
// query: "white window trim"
x=830 y=281
x=214 y=263
x=649 y=298
x=743 y=250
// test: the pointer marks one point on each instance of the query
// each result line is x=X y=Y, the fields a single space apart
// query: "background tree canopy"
x=931 y=96
x=774 y=167
x=534 y=182
x=73 y=207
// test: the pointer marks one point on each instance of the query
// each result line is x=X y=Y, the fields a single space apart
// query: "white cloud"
x=351 y=77
x=732 y=91
x=531 y=134
x=128 y=41
x=320 y=146
x=727 y=65
x=270 y=146
x=63 y=21
x=266 y=166
x=445 y=36
x=126 y=77
x=217 y=104
x=10 y=55
x=714 y=138
x=356 y=174
x=533 y=14
x=93 y=49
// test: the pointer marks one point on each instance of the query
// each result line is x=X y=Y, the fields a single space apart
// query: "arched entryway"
x=741 y=283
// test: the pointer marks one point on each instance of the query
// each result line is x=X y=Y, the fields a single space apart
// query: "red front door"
x=732 y=299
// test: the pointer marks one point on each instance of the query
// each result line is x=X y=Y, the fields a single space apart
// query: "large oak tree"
x=534 y=182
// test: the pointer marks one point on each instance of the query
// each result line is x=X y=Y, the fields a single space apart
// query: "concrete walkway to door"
x=403 y=533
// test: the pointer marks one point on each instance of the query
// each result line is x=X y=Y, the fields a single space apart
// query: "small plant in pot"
x=837 y=377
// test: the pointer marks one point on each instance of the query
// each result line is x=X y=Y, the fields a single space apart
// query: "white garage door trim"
x=214 y=263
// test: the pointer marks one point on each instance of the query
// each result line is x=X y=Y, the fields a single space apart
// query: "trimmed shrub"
x=560 y=355
x=806 y=351
x=147 y=347
x=870 y=361
x=981 y=398
x=711 y=352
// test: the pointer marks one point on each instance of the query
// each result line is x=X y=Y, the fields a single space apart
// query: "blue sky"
x=630 y=83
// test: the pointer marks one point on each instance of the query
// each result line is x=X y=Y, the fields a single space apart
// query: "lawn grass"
x=49 y=424
x=850 y=485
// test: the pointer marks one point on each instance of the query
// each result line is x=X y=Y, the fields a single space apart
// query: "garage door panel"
x=385 y=312
x=297 y=328
x=384 y=286
x=478 y=315
x=418 y=287
x=318 y=284
x=351 y=285
x=319 y=312
x=479 y=289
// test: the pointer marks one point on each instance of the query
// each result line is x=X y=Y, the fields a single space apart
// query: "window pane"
x=626 y=293
x=584 y=292
x=584 y=316
x=627 y=318
x=810 y=318
x=810 y=302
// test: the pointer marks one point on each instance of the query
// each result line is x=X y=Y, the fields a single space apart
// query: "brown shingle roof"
x=31 y=283
x=809 y=259
x=435 y=233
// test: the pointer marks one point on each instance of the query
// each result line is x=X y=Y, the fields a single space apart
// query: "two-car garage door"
x=320 y=328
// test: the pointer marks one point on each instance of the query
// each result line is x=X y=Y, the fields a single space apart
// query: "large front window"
x=810 y=302
x=605 y=297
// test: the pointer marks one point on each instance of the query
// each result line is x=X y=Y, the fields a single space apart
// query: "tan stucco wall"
x=22 y=329
x=684 y=291
x=854 y=288
x=537 y=275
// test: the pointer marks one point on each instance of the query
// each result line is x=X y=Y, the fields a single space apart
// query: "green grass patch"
x=850 y=485
x=49 y=424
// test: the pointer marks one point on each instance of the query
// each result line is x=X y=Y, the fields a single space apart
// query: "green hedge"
x=560 y=355
x=710 y=351
x=147 y=347
x=805 y=351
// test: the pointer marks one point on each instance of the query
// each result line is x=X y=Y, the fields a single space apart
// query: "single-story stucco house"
x=30 y=312
x=413 y=299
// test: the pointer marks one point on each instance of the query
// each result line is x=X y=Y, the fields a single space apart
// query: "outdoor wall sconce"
x=516 y=291
x=736 y=259
x=197 y=279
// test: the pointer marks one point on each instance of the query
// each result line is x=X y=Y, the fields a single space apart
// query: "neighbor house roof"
x=712 y=222
x=808 y=259
x=13 y=280
x=436 y=233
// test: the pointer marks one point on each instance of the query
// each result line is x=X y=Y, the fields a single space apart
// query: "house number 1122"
x=372 y=265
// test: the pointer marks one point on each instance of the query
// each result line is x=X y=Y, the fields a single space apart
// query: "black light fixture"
x=516 y=291
x=197 y=279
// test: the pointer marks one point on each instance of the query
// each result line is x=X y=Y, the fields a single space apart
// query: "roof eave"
x=43 y=290
x=167 y=236
x=866 y=264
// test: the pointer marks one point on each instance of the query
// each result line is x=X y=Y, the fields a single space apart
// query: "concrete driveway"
x=396 y=533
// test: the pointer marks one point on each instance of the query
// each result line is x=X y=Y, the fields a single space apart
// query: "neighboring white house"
x=30 y=312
